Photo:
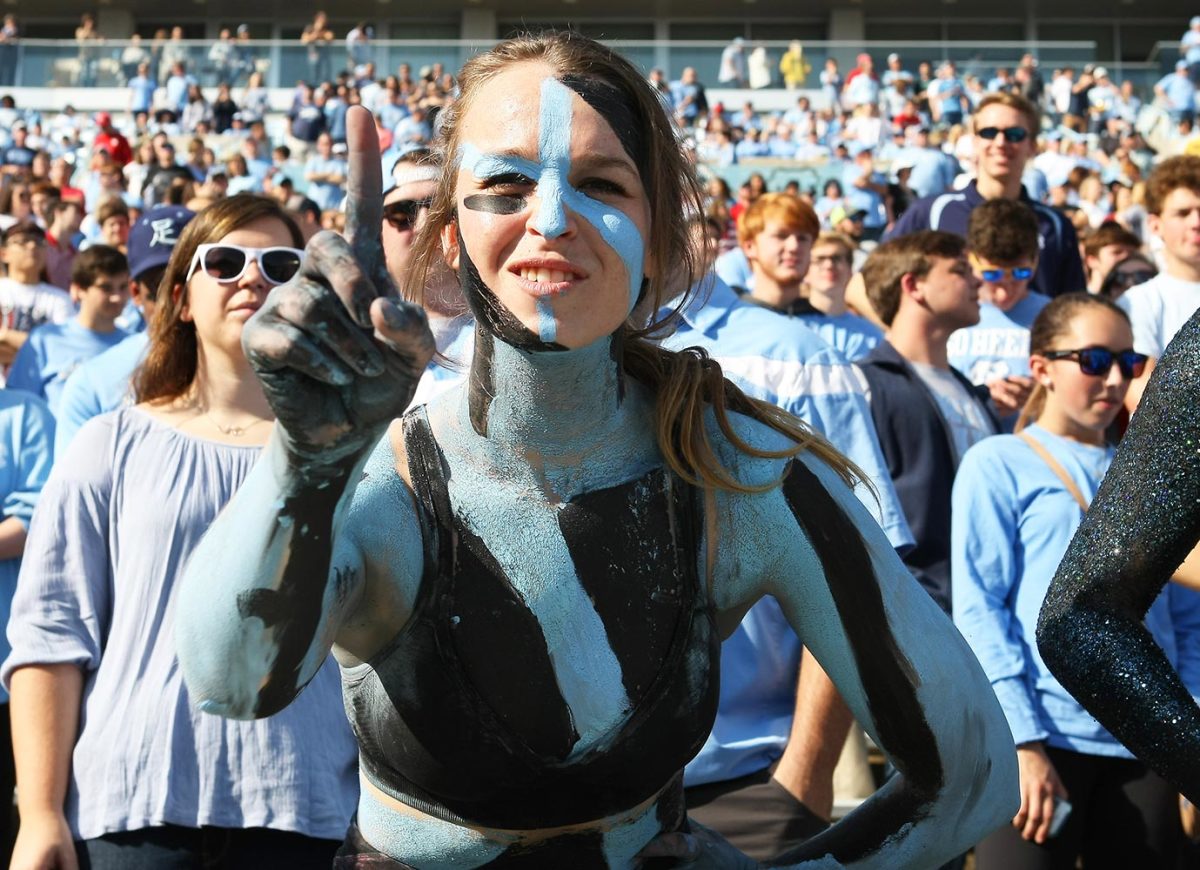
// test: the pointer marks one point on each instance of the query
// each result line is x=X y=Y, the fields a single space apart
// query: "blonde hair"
x=688 y=383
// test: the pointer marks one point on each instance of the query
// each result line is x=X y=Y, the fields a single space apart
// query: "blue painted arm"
x=903 y=669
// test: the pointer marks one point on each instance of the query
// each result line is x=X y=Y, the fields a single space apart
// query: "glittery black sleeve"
x=1144 y=521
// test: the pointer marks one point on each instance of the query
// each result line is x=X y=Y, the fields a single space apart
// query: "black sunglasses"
x=1131 y=279
x=402 y=213
x=1011 y=134
x=1098 y=361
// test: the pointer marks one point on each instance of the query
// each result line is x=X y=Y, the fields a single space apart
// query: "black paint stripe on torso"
x=887 y=676
x=481 y=386
x=634 y=570
x=485 y=632
x=293 y=611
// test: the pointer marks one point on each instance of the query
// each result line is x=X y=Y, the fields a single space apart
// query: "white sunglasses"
x=226 y=263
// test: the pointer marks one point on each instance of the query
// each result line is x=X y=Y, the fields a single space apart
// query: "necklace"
x=232 y=431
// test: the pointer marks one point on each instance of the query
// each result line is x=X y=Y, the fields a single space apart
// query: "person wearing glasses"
x=1005 y=127
x=1105 y=248
x=1017 y=502
x=102 y=384
x=527 y=579
x=406 y=199
x=829 y=271
x=1159 y=307
x=26 y=300
x=117 y=763
x=1133 y=270
x=1003 y=242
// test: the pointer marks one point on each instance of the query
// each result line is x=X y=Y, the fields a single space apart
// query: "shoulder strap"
x=1056 y=467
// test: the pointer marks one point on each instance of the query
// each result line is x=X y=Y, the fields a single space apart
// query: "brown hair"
x=1170 y=175
x=1003 y=231
x=909 y=254
x=792 y=211
x=1014 y=101
x=689 y=383
x=843 y=241
x=170 y=364
x=1110 y=233
x=1051 y=324
x=96 y=261
x=112 y=207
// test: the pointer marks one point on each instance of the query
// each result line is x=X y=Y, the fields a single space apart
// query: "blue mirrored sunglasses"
x=1020 y=273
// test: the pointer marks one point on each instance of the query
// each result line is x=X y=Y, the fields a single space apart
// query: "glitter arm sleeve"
x=1144 y=521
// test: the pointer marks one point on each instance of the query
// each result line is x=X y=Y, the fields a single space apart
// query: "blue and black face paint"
x=515 y=180
x=548 y=175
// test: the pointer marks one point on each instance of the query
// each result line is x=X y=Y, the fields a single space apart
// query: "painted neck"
x=547 y=401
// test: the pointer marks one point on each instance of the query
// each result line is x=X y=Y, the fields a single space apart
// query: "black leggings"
x=1123 y=815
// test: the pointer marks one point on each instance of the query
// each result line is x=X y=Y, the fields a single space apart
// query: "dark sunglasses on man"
x=402 y=213
x=1097 y=361
x=1011 y=134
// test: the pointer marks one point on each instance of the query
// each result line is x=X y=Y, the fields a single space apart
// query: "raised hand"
x=338 y=352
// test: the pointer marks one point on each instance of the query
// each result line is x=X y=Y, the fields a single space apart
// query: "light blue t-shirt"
x=98 y=385
x=26 y=455
x=116 y=521
x=850 y=335
x=949 y=93
x=734 y=269
x=998 y=345
x=52 y=352
x=1012 y=520
x=1181 y=93
x=324 y=194
x=776 y=358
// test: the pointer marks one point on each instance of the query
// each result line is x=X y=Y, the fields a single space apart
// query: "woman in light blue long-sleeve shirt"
x=1014 y=512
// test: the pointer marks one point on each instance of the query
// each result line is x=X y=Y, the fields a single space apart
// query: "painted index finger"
x=364 y=203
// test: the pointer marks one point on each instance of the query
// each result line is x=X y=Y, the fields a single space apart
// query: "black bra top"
x=460 y=715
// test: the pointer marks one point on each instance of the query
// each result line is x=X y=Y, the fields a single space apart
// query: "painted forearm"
x=902 y=665
x=1141 y=526
x=262 y=598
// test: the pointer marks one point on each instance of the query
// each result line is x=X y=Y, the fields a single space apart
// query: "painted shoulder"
x=759 y=471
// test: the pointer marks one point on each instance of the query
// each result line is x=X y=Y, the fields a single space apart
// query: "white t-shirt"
x=966 y=420
x=1158 y=309
x=24 y=306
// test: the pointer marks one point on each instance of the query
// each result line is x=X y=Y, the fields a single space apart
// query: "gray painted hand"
x=338 y=352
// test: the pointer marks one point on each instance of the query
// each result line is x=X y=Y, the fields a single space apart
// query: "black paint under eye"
x=491 y=203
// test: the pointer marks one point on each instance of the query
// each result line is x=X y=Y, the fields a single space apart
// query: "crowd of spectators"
x=950 y=211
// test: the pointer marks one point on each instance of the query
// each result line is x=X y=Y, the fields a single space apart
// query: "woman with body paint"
x=526 y=581
x=1017 y=501
x=118 y=769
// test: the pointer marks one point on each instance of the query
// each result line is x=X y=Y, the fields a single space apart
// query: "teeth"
x=544 y=276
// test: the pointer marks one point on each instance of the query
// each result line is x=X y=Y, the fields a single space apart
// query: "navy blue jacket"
x=920 y=458
x=1060 y=270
